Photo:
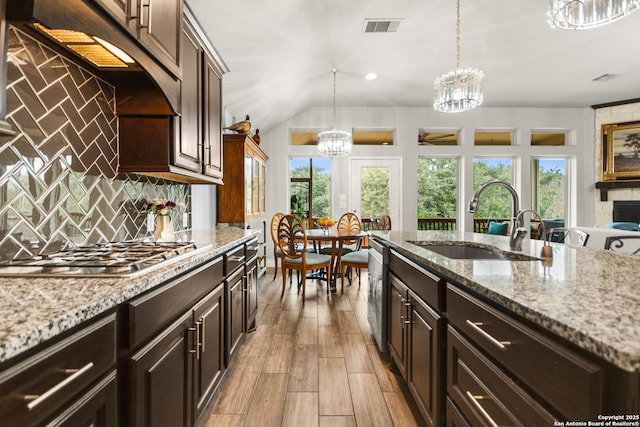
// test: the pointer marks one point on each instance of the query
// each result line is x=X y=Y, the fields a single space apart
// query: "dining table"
x=337 y=239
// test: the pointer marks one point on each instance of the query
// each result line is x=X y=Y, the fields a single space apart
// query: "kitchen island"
x=559 y=338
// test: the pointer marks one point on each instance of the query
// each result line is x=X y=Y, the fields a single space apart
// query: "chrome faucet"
x=515 y=241
x=518 y=235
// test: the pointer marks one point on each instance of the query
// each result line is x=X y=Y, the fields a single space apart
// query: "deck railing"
x=479 y=224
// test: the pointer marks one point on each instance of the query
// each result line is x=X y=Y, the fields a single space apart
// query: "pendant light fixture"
x=458 y=90
x=584 y=14
x=334 y=143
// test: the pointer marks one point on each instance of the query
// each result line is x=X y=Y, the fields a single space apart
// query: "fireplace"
x=626 y=211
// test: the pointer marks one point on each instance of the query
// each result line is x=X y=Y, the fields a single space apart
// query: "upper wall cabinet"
x=157 y=24
x=5 y=128
x=200 y=146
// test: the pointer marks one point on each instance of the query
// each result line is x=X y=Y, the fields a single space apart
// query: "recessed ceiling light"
x=371 y=76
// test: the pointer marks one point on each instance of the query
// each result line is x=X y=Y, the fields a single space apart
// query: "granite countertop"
x=34 y=310
x=590 y=297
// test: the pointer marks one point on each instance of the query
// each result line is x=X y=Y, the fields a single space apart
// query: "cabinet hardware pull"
x=236 y=258
x=502 y=345
x=141 y=18
x=202 y=322
x=195 y=349
x=35 y=399
x=198 y=340
x=478 y=406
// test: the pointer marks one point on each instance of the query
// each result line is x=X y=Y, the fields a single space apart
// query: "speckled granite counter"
x=34 y=310
x=590 y=297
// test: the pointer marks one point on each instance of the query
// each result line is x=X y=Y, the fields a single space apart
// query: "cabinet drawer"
x=234 y=259
x=43 y=384
x=424 y=283
x=483 y=393
x=567 y=381
x=252 y=249
x=150 y=313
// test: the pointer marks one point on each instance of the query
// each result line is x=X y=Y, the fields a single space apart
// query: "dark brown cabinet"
x=235 y=312
x=199 y=147
x=415 y=344
x=156 y=24
x=176 y=334
x=64 y=381
x=96 y=408
x=209 y=365
x=251 y=294
x=560 y=379
x=160 y=375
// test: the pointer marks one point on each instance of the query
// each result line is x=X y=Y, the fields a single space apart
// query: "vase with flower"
x=164 y=224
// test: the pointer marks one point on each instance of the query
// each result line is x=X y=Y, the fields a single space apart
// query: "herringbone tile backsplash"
x=58 y=179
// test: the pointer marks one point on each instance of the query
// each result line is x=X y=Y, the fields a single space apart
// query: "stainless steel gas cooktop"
x=115 y=259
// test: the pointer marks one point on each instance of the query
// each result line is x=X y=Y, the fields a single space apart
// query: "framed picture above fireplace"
x=621 y=151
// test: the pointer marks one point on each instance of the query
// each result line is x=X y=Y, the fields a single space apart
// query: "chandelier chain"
x=334 y=96
x=458 y=35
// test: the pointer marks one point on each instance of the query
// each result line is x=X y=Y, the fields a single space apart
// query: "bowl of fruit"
x=326 y=223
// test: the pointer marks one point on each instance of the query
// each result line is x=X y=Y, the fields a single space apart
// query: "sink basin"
x=475 y=251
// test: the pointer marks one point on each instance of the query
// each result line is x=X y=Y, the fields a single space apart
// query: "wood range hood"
x=147 y=93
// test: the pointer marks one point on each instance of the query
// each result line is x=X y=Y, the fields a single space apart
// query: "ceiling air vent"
x=381 y=25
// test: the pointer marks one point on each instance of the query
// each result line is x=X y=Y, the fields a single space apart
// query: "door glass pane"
x=255 y=180
x=310 y=188
x=437 y=193
x=247 y=185
x=374 y=193
x=495 y=202
x=263 y=186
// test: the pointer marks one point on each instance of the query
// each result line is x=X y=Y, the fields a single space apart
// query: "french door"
x=375 y=188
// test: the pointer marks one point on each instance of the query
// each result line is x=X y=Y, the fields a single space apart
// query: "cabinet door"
x=397 y=318
x=118 y=9
x=212 y=98
x=187 y=151
x=160 y=376
x=159 y=30
x=235 y=312
x=425 y=358
x=97 y=407
x=251 y=295
x=209 y=363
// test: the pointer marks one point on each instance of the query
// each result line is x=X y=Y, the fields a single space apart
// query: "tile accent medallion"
x=58 y=179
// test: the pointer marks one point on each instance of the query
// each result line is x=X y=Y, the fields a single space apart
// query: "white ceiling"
x=280 y=54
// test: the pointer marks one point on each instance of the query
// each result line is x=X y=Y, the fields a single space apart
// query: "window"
x=437 y=193
x=437 y=137
x=495 y=202
x=493 y=137
x=549 y=187
x=372 y=137
x=310 y=187
x=542 y=138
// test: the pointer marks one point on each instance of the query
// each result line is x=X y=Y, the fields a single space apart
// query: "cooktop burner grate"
x=111 y=259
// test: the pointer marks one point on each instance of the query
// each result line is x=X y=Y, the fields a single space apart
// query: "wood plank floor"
x=311 y=365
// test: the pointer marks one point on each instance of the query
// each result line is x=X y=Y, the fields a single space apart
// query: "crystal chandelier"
x=583 y=14
x=458 y=90
x=334 y=143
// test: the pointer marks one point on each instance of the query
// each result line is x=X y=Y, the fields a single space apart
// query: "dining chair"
x=568 y=236
x=356 y=259
x=275 y=221
x=384 y=223
x=292 y=241
x=617 y=244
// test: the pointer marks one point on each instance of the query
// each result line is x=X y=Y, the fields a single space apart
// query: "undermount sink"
x=474 y=251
